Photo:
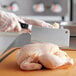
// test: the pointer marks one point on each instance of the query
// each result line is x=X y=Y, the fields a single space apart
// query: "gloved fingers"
x=37 y=22
x=9 y=22
x=15 y=24
x=56 y=25
x=17 y=28
x=5 y=29
x=25 y=31
x=30 y=66
x=12 y=27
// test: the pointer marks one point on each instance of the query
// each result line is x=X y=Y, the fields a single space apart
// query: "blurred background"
x=61 y=11
x=48 y=10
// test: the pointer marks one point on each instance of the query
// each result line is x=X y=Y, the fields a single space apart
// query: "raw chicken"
x=34 y=56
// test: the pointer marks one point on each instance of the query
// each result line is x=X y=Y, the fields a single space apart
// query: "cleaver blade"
x=60 y=37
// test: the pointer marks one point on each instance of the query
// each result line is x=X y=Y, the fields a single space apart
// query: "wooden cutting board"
x=8 y=67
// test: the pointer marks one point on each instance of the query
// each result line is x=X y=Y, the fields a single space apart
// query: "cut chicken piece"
x=34 y=56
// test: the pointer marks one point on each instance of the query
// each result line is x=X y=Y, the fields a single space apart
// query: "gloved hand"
x=40 y=23
x=34 y=56
x=9 y=22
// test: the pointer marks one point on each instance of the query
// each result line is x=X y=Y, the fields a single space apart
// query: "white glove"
x=40 y=23
x=9 y=22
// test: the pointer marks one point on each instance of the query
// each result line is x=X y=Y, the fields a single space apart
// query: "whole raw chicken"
x=34 y=56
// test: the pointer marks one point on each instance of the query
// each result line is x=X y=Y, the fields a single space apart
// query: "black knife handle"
x=24 y=25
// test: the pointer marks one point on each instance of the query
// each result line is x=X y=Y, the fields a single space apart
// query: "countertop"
x=9 y=67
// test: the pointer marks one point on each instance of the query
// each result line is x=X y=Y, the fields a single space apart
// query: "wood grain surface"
x=9 y=67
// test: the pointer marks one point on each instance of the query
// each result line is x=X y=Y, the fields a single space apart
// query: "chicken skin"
x=34 y=56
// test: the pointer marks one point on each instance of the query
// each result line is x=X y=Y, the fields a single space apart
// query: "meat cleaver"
x=60 y=36
x=10 y=40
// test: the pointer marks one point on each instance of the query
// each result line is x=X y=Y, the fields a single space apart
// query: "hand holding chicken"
x=34 y=56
